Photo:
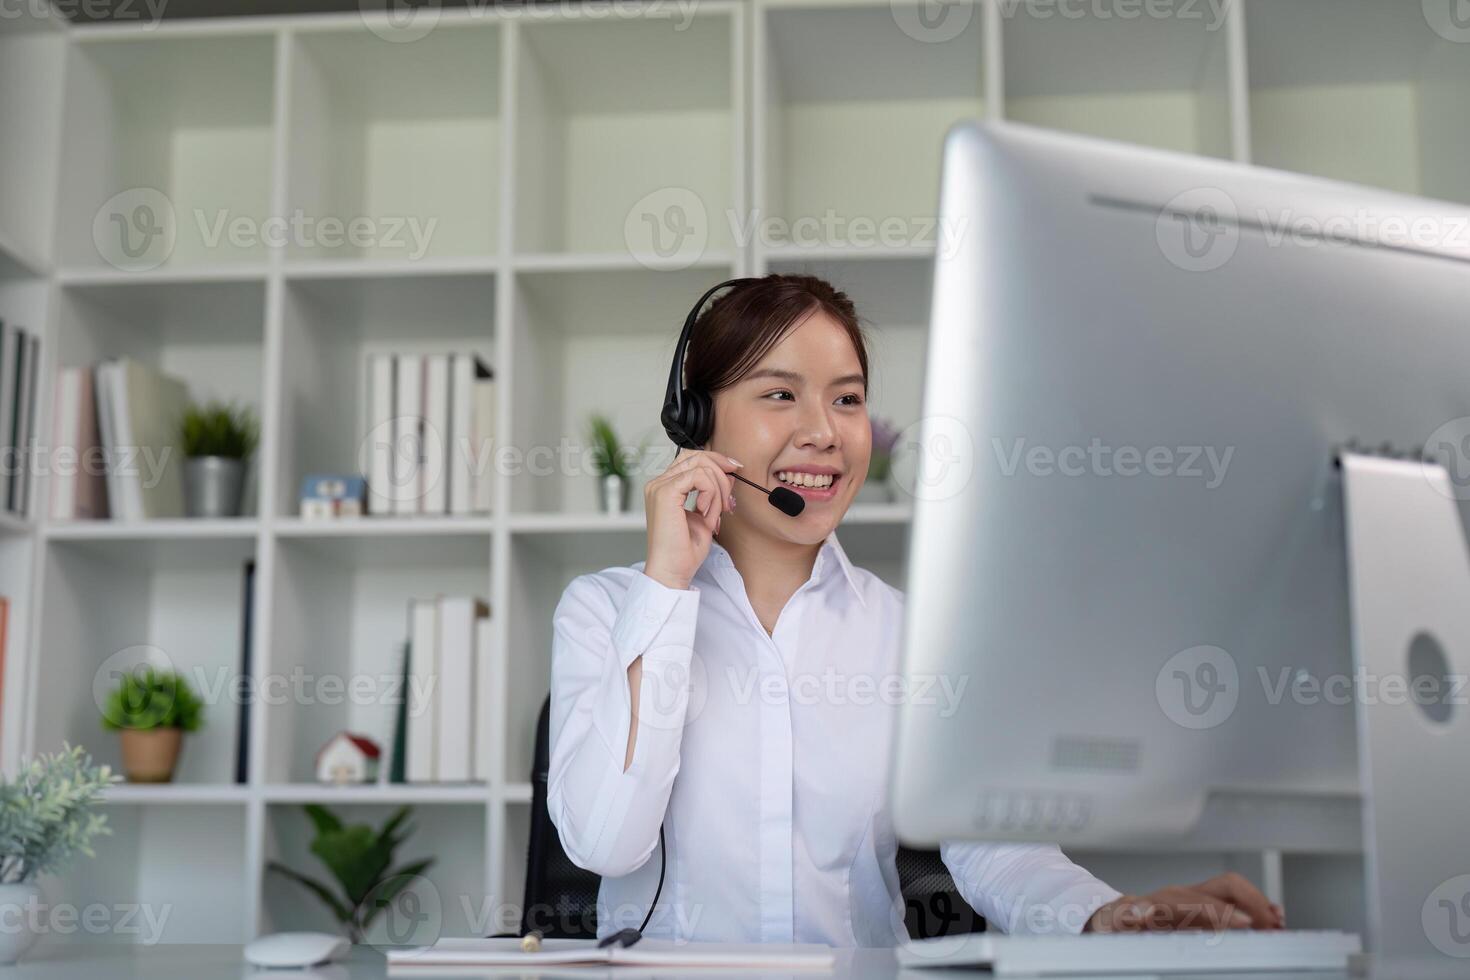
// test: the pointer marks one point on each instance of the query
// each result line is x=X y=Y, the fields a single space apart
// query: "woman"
x=710 y=690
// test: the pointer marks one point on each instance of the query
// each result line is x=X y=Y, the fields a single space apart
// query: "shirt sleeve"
x=1025 y=889
x=608 y=818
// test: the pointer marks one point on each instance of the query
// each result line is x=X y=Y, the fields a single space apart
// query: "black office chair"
x=561 y=898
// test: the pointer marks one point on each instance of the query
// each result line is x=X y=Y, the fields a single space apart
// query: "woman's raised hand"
x=679 y=539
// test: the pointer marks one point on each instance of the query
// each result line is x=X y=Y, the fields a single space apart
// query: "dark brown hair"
x=738 y=328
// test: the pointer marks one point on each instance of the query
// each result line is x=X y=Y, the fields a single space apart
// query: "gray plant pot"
x=614 y=494
x=213 y=486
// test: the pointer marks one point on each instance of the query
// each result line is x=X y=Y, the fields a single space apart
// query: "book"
x=90 y=496
x=381 y=400
x=484 y=434
x=105 y=378
x=458 y=616
x=461 y=430
x=25 y=422
x=486 y=710
x=436 y=439
x=9 y=354
x=398 y=746
x=408 y=440
x=4 y=635
x=450 y=951
x=247 y=659
x=66 y=426
x=146 y=406
x=423 y=691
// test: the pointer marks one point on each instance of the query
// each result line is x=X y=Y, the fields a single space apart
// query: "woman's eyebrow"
x=793 y=377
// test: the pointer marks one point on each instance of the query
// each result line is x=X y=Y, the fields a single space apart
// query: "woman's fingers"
x=1168 y=909
x=1237 y=890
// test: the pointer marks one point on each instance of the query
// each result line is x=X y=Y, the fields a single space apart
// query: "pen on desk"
x=531 y=942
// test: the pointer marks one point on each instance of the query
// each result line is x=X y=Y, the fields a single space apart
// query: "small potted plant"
x=359 y=858
x=878 y=488
x=218 y=439
x=152 y=709
x=611 y=459
x=46 y=819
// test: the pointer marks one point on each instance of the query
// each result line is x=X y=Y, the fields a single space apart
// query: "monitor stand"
x=1409 y=577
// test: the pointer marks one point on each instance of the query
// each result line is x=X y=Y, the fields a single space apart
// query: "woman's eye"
x=787 y=393
x=851 y=399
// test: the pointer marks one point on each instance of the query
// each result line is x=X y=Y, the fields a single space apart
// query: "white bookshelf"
x=550 y=150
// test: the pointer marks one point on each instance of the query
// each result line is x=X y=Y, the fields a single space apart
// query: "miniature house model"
x=348 y=758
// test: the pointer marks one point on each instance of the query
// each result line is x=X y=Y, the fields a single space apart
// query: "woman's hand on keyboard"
x=1227 y=901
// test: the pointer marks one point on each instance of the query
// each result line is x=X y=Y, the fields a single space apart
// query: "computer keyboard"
x=1138 y=952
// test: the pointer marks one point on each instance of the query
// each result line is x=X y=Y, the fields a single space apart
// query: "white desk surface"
x=201 y=962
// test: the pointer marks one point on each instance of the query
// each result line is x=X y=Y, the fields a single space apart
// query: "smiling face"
x=798 y=418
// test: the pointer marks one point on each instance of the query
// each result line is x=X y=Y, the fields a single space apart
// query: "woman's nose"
x=817 y=429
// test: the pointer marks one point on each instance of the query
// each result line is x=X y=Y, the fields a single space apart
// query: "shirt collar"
x=831 y=560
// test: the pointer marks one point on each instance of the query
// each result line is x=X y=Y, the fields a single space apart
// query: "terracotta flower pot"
x=149 y=756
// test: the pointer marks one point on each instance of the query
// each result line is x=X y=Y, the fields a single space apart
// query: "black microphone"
x=788 y=502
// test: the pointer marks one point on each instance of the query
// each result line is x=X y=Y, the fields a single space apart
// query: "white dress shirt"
x=765 y=757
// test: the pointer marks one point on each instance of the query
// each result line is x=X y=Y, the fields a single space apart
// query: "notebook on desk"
x=585 y=952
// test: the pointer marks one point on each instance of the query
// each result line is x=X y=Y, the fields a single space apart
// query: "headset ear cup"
x=699 y=416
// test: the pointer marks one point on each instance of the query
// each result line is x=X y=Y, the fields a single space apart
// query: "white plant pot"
x=17 y=920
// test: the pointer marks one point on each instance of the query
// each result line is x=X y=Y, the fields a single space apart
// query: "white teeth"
x=813 y=480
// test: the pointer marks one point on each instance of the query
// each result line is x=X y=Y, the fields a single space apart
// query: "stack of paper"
x=585 y=952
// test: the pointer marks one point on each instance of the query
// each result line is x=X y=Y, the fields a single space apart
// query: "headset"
x=688 y=415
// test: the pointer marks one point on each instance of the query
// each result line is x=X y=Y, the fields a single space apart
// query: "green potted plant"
x=611 y=459
x=877 y=487
x=46 y=820
x=218 y=439
x=359 y=858
x=152 y=709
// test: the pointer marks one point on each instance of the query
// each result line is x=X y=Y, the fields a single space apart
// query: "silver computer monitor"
x=1129 y=529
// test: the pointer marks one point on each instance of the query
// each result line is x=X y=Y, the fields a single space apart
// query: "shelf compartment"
x=207 y=334
x=591 y=341
x=1160 y=81
x=1360 y=91
x=138 y=871
x=848 y=157
x=182 y=126
x=332 y=326
x=341 y=616
x=401 y=141
x=451 y=894
x=109 y=606
x=596 y=151
x=32 y=62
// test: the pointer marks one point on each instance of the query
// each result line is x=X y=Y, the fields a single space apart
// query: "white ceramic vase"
x=17 y=920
